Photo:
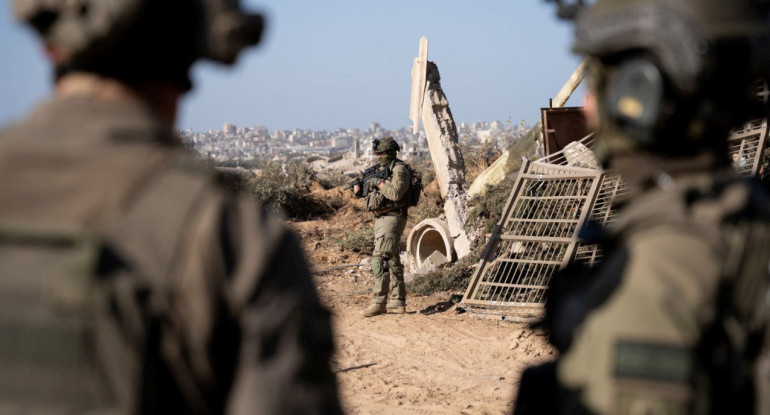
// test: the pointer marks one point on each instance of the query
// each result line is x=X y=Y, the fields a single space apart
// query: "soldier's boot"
x=374 y=309
x=396 y=309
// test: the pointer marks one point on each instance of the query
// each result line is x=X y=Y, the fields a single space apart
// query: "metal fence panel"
x=551 y=198
x=536 y=234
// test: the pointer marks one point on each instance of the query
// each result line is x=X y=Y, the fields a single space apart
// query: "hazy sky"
x=334 y=63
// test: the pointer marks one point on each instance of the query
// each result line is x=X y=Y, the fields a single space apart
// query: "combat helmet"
x=673 y=75
x=385 y=145
x=135 y=40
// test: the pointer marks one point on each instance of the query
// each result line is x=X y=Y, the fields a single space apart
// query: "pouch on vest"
x=47 y=300
x=374 y=201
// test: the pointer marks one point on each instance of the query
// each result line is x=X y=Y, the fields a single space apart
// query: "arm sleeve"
x=286 y=334
x=258 y=339
x=395 y=189
x=651 y=317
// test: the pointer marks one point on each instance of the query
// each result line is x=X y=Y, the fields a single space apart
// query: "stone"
x=436 y=259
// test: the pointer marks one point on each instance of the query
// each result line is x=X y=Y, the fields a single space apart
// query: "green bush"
x=286 y=188
x=359 y=241
x=333 y=178
x=485 y=209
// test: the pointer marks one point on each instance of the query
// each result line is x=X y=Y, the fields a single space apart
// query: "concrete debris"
x=441 y=132
x=436 y=259
x=430 y=264
x=528 y=147
x=578 y=155
x=424 y=238
x=419 y=71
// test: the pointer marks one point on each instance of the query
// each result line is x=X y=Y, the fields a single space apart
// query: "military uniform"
x=132 y=282
x=389 y=200
x=389 y=223
x=674 y=319
x=634 y=332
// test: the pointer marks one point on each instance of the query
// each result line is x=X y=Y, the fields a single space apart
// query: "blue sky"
x=336 y=63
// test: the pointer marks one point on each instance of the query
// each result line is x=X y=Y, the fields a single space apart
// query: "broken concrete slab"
x=528 y=147
x=436 y=259
x=578 y=154
x=419 y=72
x=448 y=162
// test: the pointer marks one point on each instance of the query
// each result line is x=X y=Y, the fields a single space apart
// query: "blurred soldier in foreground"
x=131 y=281
x=674 y=320
x=389 y=201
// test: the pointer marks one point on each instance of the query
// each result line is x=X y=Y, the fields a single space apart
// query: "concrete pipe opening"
x=427 y=237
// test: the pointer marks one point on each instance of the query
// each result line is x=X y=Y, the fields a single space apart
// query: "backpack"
x=415 y=186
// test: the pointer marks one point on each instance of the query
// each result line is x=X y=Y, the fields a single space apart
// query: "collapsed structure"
x=551 y=198
x=446 y=235
x=553 y=195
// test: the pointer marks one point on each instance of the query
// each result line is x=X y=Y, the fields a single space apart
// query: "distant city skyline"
x=343 y=64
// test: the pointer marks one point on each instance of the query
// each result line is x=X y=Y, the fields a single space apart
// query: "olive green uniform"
x=133 y=283
x=666 y=285
x=631 y=334
x=389 y=223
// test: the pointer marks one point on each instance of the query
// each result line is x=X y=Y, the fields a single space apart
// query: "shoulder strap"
x=148 y=238
x=153 y=224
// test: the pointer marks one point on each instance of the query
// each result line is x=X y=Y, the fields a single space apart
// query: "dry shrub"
x=287 y=188
x=485 y=209
x=359 y=241
x=431 y=205
x=454 y=277
x=478 y=158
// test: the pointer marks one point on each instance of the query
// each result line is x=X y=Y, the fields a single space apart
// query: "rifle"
x=365 y=181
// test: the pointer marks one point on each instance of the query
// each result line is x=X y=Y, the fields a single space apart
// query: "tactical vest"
x=81 y=315
x=47 y=309
x=380 y=205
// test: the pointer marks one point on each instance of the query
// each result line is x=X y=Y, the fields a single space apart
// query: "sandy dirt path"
x=432 y=360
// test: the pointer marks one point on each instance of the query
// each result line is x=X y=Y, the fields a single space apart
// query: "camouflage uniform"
x=389 y=202
x=132 y=281
x=388 y=228
x=674 y=319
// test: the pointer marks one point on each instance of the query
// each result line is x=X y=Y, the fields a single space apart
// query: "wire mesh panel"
x=745 y=146
x=536 y=235
x=550 y=200
x=748 y=141
x=603 y=212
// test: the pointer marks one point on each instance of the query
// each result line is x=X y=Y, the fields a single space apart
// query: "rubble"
x=430 y=104
x=528 y=147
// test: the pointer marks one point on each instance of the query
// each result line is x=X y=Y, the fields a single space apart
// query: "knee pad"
x=378 y=266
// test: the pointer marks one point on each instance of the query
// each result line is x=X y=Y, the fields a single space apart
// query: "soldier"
x=132 y=282
x=674 y=320
x=389 y=203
